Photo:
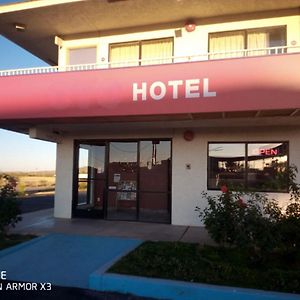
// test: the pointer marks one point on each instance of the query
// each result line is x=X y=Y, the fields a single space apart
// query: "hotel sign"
x=241 y=84
x=158 y=89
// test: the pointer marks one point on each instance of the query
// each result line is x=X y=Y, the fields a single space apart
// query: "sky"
x=17 y=151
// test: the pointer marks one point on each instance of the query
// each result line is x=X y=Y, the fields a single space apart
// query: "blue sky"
x=17 y=151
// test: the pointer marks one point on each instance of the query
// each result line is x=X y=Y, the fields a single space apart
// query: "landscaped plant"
x=9 y=209
x=254 y=221
x=208 y=264
x=237 y=219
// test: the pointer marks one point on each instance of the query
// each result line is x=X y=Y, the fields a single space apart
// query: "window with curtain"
x=254 y=40
x=156 y=51
x=226 y=42
x=258 y=40
x=80 y=56
x=124 y=55
x=265 y=38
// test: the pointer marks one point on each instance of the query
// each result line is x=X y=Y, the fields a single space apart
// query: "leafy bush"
x=231 y=220
x=9 y=209
x=289 y=222
x=252 y=220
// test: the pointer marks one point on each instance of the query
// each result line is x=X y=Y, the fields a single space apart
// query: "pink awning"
x=229 y=85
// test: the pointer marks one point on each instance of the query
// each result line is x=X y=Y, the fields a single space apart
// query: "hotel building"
x=152 y=102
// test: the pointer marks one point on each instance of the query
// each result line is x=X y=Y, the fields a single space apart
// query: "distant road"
x=30 y=204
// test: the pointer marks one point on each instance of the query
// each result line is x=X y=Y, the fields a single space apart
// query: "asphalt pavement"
x=66 y=293
x=35 y=203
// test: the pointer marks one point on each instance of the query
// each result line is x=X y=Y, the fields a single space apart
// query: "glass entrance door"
x=122 y=181
x=155 y=181
x=91 y=180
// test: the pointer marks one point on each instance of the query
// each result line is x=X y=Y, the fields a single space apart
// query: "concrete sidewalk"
x=82 y=261
x=62 y=259
x=42 y=222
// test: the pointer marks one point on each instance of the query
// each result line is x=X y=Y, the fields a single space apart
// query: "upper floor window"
x=247 y=39
x=141 y=53
x=80 y=56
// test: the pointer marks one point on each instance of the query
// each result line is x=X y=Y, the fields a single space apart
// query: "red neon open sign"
x=268 y=151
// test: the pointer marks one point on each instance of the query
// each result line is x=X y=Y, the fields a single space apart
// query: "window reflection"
x=265 y=164
x=123 y=167
x=226 y=165
x=91 y=177
x=155 y=168
x=122 y=180
x=155 y=159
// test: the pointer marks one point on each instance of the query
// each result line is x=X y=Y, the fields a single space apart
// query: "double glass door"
x=123 y=180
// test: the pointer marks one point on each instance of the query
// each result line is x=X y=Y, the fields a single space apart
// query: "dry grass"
x=29 y=183
x=36 y=181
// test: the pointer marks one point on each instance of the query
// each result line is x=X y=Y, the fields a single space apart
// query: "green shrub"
x=254 y=221
x=289 y=230
x=289 y=223
x=9 y=209
x=232 y=220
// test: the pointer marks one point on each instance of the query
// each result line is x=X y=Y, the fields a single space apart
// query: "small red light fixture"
x=190 y=26
x=188 y=135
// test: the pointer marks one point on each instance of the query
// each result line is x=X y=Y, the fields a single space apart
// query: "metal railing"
x=154 y=61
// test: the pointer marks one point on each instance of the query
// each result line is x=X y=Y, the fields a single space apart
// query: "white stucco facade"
x=188 y=45
x=187 y=183
x=64 y=179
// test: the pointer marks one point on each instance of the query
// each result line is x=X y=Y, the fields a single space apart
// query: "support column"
x=64 y=179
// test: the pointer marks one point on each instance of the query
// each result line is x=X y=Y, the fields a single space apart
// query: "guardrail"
x=154 y=61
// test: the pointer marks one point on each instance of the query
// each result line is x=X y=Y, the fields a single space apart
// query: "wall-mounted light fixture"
x=190 y=26
x=20 y=27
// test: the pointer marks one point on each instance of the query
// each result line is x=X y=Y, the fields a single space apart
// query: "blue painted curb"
x=111 y=262
x=94 y=277
x=178 y=290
